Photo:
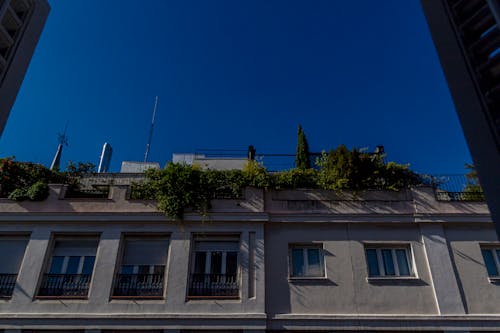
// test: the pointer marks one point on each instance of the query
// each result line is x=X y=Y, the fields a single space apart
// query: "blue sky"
x=233 y=73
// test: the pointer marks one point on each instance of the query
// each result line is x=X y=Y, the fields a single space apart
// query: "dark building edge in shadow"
x=467 y=38
x=21 y=24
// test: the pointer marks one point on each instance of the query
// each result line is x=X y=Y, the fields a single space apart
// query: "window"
x=70 y=268
x=142 y=268
x=72 y=265
x=306 y=261
x=214 y=267
x=389 y=261
x=491 y=256
x=13 y=248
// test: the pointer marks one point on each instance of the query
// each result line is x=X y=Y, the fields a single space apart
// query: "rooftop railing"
x=455 y=187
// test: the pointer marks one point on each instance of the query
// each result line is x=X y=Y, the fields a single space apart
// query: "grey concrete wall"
x=481 y=296
x=38 y=250
x=346 y=290
x=267 y=223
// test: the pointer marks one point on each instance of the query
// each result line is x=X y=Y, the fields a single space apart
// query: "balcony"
x=213 y=286
x=7 y=283
x=138 y=286
x=65 y=286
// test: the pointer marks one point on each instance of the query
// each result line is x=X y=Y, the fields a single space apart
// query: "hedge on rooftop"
x=182 y=186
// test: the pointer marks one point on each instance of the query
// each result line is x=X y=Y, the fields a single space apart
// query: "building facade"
x=21 y=23
x=467 y=37
x=270 y=261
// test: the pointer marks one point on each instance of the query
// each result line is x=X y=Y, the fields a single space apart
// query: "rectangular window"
x=70 y=268
x=12 y=249
x=306 y=261
x=388 y=261
x=491 y=256
x=142 y=271
x=214 y=267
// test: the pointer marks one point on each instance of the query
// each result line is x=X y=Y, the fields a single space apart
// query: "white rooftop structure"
x=213 y=163
x=138 y=167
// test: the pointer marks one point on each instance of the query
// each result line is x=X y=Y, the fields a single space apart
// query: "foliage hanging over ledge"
x=25 y=181
x=29 y=181
x=181 y=186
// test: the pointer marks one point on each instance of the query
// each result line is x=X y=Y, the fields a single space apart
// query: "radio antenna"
x=148 y=145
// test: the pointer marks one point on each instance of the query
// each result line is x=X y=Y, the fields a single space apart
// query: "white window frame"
x=380 y=261
x=304 y=248
x=493 y=249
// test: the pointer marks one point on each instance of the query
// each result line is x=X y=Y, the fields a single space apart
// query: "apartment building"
x=21 y=23
x=270 y=261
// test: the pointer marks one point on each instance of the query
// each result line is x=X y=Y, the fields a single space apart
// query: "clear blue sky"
x=233 y=73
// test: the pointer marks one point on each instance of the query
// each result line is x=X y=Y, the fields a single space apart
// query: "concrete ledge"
x=409 y=323
x=144 y=321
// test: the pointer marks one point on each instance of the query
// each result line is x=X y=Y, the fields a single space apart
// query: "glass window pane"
x=388 y=262
x=297 y=262
x=199 y=262
x=88 y=265
x=56 y=265
x=371 y=256
x=216 y=263
x=143 y=269
x=314 y=264
x=231 y=263
x=402 y=258
x=159 y=269
x=73 y=264
x=127 y=269
x=489 y=261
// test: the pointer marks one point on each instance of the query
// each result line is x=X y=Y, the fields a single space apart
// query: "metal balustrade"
x=7 y=283
x=137 y=285
x=213 y=285
x=65 y=285
x=454 y=187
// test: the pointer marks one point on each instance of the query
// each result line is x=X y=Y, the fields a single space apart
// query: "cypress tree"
x=302 y=160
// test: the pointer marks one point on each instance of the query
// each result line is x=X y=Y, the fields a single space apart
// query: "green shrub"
x=342 y=169
x=38 y=191
x=19 y=194
x=296 y=178
x=256 y=175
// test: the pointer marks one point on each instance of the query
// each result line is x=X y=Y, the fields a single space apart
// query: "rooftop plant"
x=25 y=181
x=181 y=186
x=29 y=181
x=302 y=158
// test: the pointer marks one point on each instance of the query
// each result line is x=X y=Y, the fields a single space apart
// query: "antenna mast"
x=148 y=145
x=63 y=141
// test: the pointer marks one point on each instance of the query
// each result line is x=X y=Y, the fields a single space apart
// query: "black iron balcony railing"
x=7 y=283
x=213 y=285
x=65 y=285
x=139 y=285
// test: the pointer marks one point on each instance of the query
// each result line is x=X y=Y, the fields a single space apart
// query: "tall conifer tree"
x=302 y=160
